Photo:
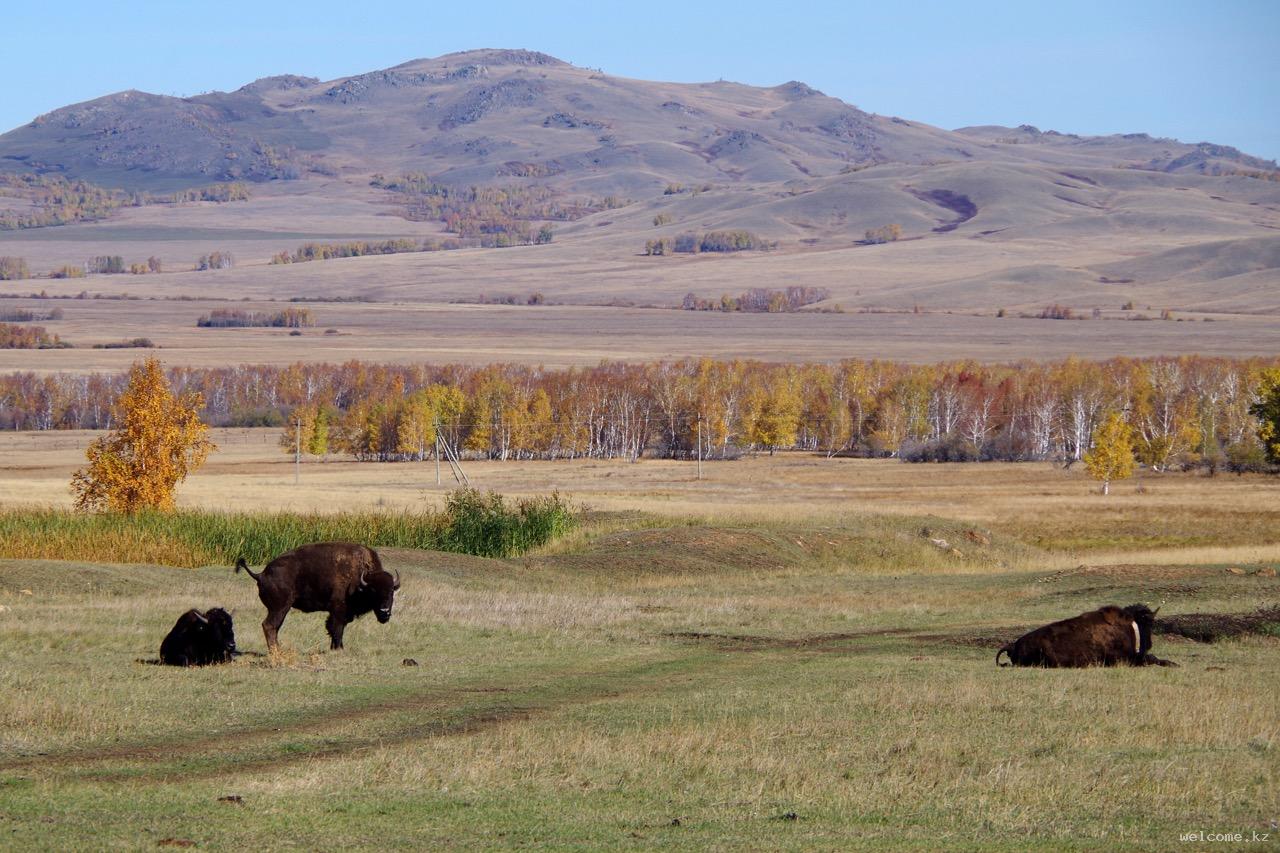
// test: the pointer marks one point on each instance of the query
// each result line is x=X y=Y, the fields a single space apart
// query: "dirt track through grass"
x=413 y=716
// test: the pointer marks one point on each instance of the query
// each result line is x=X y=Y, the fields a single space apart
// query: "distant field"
x=557 y=336
x=957 y=282
x=1152 y=518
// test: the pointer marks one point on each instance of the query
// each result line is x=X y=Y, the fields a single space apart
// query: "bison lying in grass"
x=1104 y=637
x=198 y=639
x=340 y=578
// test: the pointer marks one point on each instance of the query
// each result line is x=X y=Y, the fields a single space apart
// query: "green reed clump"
x=472 y=523
x=486 y=525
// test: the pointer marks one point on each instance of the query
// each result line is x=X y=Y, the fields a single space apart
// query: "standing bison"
x=1104 y=637
x=340 y=578
x=198 y=639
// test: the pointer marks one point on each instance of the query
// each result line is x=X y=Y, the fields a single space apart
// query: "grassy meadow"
x=775 y=657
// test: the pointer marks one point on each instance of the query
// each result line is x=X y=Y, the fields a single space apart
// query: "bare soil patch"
x=1211 y=627
x=816 y=642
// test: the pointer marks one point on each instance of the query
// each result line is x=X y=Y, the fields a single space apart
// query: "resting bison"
x=197 y=639
x=1105 y=637
x=339 y=578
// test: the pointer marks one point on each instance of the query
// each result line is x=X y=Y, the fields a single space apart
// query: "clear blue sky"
x=1191 y=70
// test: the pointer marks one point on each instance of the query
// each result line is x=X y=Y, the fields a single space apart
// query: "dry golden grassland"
x=565 y=335
x=418 y=307
x=1190 y=516
x=775 y=657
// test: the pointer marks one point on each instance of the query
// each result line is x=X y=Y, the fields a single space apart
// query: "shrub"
x=216 y=261
x=12 y=269
x=686 y=243
x=27 y=315
x=1246 y=457
x=487 y=526
x=152 y=265
x=883 y=234
x=132 y=343
x=950 y=448
x=28 y=337
x=730 y=241
x=105 y=265
x=67 y=271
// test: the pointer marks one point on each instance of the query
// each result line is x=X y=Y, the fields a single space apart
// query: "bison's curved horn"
x=397 y=583
x=201 y=616
x=362 y=583
x=1157 y=610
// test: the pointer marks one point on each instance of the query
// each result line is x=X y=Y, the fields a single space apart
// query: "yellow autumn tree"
x=1111 y=457
x=307 y=429
x=1267 y=411
x=160 y=439
x=772 y=414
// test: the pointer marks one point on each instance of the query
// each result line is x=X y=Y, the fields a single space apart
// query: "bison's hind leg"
x=271 y=627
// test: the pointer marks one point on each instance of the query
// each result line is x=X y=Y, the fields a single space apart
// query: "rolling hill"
x=989 y=217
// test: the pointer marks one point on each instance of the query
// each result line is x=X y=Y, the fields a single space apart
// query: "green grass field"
x=639 y=685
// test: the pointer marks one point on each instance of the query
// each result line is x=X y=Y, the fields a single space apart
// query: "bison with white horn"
x=1107 y=636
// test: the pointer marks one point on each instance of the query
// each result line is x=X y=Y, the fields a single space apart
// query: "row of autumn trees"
x=1182 y=411
x=55 y=200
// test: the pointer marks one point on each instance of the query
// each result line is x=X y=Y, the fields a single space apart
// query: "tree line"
x=1186 y=411
x=234 y=318
x=712 y=241
x=13 y=336
x=495 y=217
x=55 y=200
x=759 y=300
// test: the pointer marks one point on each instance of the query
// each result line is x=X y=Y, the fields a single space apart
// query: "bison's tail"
x=1004 y=650
x=241 y=564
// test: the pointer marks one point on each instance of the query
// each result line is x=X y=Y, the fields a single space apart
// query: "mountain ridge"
x=465 y=116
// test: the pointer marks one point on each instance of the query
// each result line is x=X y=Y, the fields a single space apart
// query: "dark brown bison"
x=198 y=639
x=1104 y=637
x=340 y=578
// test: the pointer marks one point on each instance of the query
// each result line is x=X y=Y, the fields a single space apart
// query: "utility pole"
x=297 y=449
x=699 y=446
x=437 y=453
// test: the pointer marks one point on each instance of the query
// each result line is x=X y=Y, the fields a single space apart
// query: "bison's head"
x=1145 y=618
x=220 y=623
x=381 y=588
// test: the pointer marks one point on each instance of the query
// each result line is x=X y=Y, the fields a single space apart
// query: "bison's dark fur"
x=197 y=639
x=1104 y=637
x=340 y=578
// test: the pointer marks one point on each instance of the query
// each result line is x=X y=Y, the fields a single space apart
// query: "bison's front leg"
x=336 y=623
